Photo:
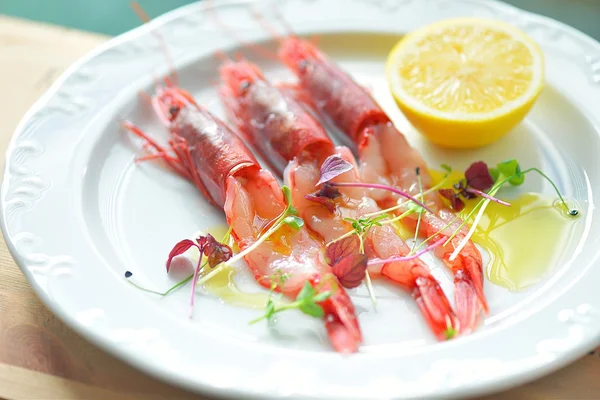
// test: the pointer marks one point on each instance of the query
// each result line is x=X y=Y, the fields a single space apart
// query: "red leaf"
x=345 y=247
x=351 y=270
x=216 y=252
x=324 y=201
x=325 y=196
x=455 y=202
x=478 y=176
x=179 y=249
x=329 y=191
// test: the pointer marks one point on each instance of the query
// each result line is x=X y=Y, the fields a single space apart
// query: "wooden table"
x=40 y=357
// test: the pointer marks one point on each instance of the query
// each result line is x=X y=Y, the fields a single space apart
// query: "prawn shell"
x=278 y=126
x=332 y=91
x=217 y=151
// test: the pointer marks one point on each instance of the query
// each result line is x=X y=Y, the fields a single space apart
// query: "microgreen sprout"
x=477 y=179
x=508 y=171
x=335 y=165
x=361 y=227
x=289 y=217
x=179 y=284
x=382 y=187
x=411 y=255
x=278 y=280
x=420 y=209
x=419 y=196
x=219 y=254
x=517 y=178
x=307 y=301
x=216 y=253
x=450 y=332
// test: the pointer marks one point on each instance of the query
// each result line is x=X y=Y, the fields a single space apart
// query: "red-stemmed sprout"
x=216 y=253
x=334 y=166
x=412 y=256
x=506 y=172
x=477 y=180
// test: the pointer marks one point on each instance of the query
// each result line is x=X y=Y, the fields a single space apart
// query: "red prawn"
x=282 y=130
x=385 y=157
x=206 y=151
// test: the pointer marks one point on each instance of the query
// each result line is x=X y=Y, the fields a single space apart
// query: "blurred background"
x=112 y=17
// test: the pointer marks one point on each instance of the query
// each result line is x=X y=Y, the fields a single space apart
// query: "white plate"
x=77 y=213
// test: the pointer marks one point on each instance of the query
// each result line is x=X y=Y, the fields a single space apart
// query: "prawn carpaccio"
x=210 y=154
x=385 y=157
x=281 y=129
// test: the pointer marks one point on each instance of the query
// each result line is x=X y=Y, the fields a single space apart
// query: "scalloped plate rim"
x=508 y=380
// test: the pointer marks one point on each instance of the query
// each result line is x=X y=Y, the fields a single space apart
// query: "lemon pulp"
x=453 y=73
x=465 y=82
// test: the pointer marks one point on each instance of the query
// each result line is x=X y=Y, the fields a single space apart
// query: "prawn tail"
x=467 y=302
x=476 y=272
x=340 y=319
x=435 y=307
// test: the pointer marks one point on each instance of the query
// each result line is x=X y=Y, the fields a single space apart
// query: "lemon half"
x=465 y=82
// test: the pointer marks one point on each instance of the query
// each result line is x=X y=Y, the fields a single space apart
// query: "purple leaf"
x=332 y=167
x=179 y=249
x=216 y=252
x=325 y=196
x=324 y=201
x=351 y=270
x=478 y=176
x=329 y=191
x=455 y=202
x=340 y=249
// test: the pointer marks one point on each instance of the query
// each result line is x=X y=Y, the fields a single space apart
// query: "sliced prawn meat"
x=253 y=199
x=205 y=150
x=282 y=129
x=381 y=242
x=377 y=164
x=385 y=157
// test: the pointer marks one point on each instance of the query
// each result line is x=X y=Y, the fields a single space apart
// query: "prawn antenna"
x=263 y=51
x=265 y=24
x=145 y=18
x=282 y=20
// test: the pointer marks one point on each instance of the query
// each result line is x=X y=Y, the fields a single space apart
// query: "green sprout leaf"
x=415 y=208
x=294 y=222
x=307 y=291
x=446 y=168
x=287 y=194
x=511 y=168
x=270 y=309
x=495 y=174
x=312 y=309
x=450 y=332
x=322 y=296
x=306 y=302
